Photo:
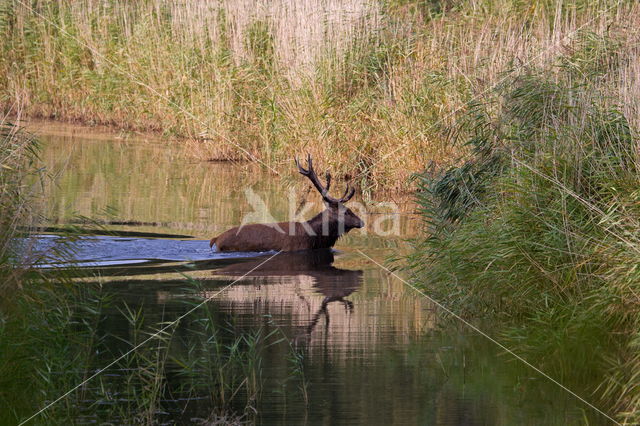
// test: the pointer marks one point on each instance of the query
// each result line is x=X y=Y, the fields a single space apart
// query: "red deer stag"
x=321 y=231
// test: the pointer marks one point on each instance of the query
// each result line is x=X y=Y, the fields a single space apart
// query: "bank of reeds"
x=538 y=225
x=365 y=86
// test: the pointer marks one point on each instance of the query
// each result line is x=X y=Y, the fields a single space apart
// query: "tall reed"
x=367 y=87
x=18 y=167
x=538 y=226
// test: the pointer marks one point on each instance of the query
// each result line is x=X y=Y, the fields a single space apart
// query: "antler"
x=311 y=174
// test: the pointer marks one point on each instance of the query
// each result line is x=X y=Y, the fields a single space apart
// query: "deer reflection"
x=309 y=266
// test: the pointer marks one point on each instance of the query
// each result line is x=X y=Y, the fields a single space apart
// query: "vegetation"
x=53 y=341
x=539 y=225
x=530 y=111
x=368 y=88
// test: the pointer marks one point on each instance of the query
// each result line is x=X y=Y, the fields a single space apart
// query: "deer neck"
x=325 y=228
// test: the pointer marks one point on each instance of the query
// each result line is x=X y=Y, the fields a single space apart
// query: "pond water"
x=371 y=350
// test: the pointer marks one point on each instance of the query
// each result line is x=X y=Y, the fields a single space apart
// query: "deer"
x=320 y=232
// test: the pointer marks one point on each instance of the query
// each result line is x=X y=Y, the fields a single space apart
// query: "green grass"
x=538 y=225
x=49 y=350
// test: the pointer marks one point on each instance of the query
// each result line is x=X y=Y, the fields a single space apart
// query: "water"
x=373 y=352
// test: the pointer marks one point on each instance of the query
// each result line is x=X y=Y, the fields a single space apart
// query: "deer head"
x=336 y=215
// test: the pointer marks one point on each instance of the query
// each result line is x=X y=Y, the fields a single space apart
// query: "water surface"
x=373 y=352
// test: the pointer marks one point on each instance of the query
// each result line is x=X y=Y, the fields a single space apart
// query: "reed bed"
x=538 y=226
x=19 y=176
x=368 y=87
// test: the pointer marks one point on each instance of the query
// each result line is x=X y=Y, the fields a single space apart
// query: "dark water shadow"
x=334 y=284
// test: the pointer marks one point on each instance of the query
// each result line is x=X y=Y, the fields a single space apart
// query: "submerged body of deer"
x=322 y=231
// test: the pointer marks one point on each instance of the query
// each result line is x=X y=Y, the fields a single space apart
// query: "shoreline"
x=57 y=128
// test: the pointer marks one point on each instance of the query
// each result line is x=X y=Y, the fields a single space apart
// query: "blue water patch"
x=115 y=251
